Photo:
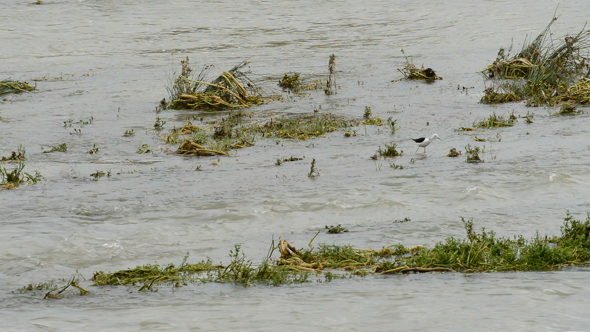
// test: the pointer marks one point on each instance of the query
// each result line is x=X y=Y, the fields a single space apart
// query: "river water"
x=107 y=63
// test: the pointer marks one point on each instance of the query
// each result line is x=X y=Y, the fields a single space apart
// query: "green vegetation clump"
x=304 y=126
x=144 y=148
x=567 y=109
x=391 y=122
x=240 y=271
x=501 y=95
x=473 y=154
x=292 y=82
x=99 y=174
x=237 y=131
x=14 y=178
x=369 y=119
x=390 y=151
x=547 y=71
x=63 y=147
x=494 y=121
x=485 y=252
x=8 y=86
x=454 y=153
x=232 y=89
x=94 y=150
x=16 y=156
x=480 y=251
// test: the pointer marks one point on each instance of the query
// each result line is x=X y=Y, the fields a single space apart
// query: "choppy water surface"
x=111 y=60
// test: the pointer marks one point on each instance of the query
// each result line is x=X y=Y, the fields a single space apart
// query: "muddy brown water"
x=111 y=60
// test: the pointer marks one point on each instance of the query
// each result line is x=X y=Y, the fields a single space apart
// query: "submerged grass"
x=547 y=71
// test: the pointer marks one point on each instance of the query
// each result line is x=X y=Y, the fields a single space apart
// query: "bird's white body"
x=423 y=142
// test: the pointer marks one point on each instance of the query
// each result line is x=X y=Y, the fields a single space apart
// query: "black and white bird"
x=424 y=141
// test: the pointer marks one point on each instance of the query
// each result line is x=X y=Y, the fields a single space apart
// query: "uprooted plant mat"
x=9 y=86
x=477 y=252
x=411 y=72
x=231 y=89
x=547 y=71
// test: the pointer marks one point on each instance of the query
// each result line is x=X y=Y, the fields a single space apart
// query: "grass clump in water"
x=16 y=177
x=454 y=153
x=239 y=270
x=494 y=121
x=389 y=151
x=63 y=147
x=232 y=89
x=16 y=156
x=568 y=109
x=485 y=252
x=369 y=119
x=547 y=71
x=293 y=82
x=304 y=126
x=473 y=154
x=411 y=72
x=237 y=130
x=9 y=86
x=331 y=83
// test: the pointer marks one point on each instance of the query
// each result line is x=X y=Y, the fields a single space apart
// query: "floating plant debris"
x=8 y=86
